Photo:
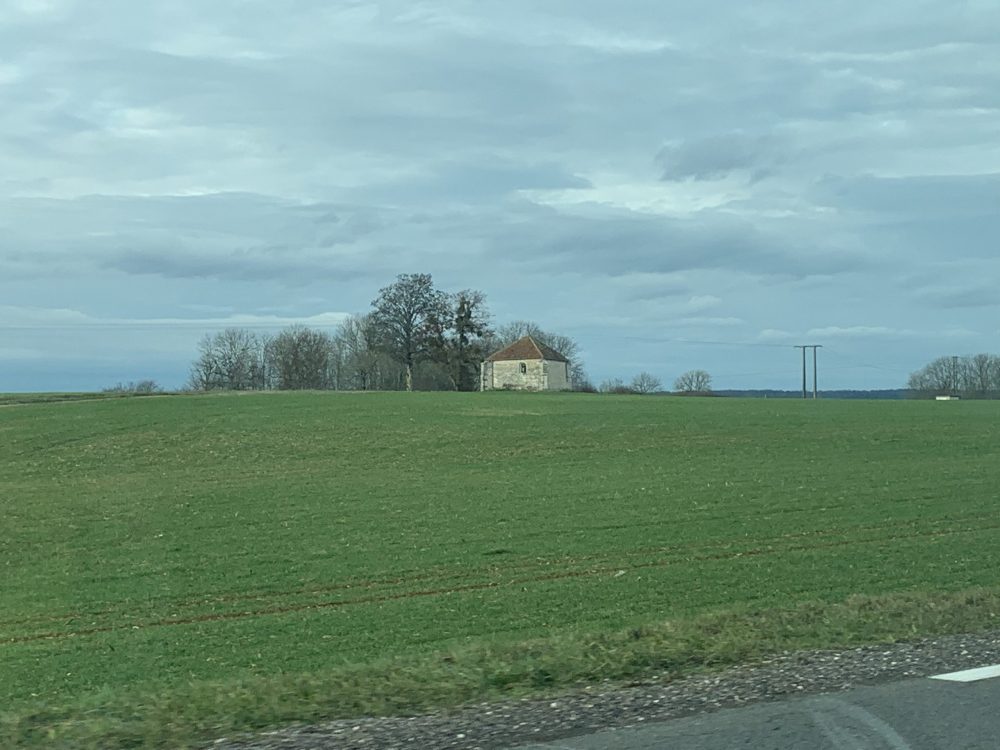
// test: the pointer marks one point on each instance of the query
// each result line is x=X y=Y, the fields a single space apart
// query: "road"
x=951 y=712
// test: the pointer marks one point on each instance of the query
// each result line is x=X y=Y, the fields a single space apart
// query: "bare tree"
x=138 y=387
x=615 y=385
x=981 y=375
x=410 y=315
x=507 y=334
x=301 y=358
x=232 y=359
x=935 y=378
x=694 y=381
x=361 y=355
x=977 y=376
x=367 y=367
x=644 y=382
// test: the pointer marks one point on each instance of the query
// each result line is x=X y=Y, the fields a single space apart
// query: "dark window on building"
x=524 y=368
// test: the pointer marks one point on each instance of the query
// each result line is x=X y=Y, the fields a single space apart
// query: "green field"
x=12 y=399
x=154 y=548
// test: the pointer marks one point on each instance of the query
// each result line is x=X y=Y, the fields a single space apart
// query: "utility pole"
x=814 y=347
x=815 y=387
x=803 y=348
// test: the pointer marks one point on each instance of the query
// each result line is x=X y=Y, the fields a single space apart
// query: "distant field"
x=8 y=399
x=152 y=544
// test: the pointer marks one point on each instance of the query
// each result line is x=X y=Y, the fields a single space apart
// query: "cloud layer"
x=643 y=178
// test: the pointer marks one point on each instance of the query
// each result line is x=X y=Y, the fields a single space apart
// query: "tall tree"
x=301 y=358
x=646 y=382
x=365 y=365
x=981 y=375
x=409 y=315
x=977 y=376
x=936 y=378
x=467 y=340
x=694 y=381
x=232 y=359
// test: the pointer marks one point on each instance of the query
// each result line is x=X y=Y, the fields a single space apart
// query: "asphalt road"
x=918 y=714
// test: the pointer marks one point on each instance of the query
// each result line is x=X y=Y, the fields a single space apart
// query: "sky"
x=674 y=185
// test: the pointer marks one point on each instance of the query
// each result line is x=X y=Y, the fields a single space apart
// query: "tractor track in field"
x=445 y=574
x=466 y=588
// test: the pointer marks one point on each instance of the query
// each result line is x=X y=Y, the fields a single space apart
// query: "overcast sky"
x=675 y=185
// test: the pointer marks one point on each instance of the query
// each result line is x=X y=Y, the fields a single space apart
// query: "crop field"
x=151 y=546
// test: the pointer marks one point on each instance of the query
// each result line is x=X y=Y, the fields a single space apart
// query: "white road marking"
x=844 y=736
x=970 y=675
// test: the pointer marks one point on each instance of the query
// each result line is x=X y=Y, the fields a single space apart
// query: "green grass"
x=215 y=563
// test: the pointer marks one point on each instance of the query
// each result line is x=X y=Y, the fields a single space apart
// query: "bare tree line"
x=973 y=376
x=436 y=342
x=297 y=358
x=416 y=337
x=692 y=382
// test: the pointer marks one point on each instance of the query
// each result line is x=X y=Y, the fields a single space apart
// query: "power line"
x=698 y=342
x=857 y=364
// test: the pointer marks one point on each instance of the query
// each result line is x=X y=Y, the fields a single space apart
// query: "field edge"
x=198 y=713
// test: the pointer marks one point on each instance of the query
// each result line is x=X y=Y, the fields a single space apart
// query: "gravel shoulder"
x=490 y=726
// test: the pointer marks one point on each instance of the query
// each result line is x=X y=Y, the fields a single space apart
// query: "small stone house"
x=525 y=365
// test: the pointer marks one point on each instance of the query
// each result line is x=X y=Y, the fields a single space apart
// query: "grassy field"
x=252 y=559
x=12 y=399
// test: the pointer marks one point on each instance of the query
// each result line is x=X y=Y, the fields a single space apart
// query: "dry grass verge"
x=195 y=714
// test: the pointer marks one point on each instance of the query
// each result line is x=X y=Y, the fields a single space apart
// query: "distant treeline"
x=891 y=393
x=973 y=376
x=415 y=337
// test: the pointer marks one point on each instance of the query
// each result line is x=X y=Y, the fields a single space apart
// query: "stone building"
x=525 y=365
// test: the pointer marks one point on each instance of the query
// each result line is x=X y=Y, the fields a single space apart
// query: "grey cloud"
x=619 y=243
x=499 y=177
x=962 y=297
x=476 y=179
x=439 y=84
x=276 y=263
x=252 y=237
x=228 y=236
x=244 y=214
x=318 y=141
x=718 y=156
x=919 y=218
x=973 y=237
x=651 y=287
x=960 y=195
x=425 y=91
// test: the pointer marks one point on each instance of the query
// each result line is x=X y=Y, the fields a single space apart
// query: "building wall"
x=539 y=375
x=558 y=376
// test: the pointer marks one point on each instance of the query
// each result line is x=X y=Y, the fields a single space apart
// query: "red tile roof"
x=526 y=348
